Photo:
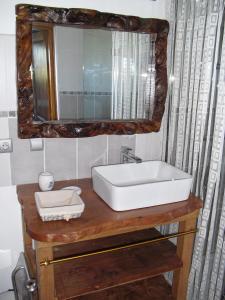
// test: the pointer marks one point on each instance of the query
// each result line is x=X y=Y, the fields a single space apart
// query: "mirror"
x=83 y=73
x=98 y=74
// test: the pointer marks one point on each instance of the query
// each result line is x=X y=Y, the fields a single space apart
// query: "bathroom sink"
x=136 y=185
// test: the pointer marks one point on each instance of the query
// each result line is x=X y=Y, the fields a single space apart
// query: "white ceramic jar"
x=46 y=181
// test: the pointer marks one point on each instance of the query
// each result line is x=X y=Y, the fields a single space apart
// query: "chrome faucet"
x=126 y=156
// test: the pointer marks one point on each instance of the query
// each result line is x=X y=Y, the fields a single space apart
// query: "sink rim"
x=95 y=168
x=138 y=194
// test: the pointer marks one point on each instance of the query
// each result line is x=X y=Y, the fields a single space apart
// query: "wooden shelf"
x=128 y=274
x=104 y=243
x=98 y=219
x=155 y=288
x=103 y=271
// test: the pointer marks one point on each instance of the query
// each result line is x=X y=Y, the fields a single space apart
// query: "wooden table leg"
x=184 y=251
x=28 y=252
x=27 y=241
x=45 y=274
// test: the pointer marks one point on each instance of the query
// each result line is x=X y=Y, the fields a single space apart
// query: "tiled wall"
x=73 y=158
x=65 y=158
x=5 y=174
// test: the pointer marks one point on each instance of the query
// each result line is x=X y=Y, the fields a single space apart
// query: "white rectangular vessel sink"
x=132 y=185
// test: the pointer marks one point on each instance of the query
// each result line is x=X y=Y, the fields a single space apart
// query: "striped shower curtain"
x=194 y=128
x=133 y=75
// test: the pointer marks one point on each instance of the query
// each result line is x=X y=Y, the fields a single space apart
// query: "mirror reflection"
x=92 y=74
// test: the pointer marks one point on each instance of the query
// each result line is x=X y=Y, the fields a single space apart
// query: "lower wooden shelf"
x=155 y=288
x=130 y=274
x=119 y=273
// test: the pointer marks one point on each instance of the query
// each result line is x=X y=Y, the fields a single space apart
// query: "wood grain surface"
x=66 y=250
x=98 y=220
x=149 y=289
x=90 y=274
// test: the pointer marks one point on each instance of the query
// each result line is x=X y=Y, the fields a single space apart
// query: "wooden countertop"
x=98 y=219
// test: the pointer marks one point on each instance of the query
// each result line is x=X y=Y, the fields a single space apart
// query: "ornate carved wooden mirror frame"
x=84 y=18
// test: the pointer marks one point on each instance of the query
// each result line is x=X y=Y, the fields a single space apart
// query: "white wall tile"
x=60 y=158
x=4 y=128
x=5 y=174
x=5 y=167
x=91 y=152
x=25 y=164
x=7 y=73
x=149 y=146
x=114 y=146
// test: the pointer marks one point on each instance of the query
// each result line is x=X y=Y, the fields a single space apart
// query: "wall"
x=66 y=158
x=142 y=8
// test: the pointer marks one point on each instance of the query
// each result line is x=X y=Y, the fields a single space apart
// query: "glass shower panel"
x=97 y=73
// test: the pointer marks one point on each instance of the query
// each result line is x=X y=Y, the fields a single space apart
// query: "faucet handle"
x=125 y=149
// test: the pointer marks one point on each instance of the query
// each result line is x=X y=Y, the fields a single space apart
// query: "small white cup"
x=46 y=181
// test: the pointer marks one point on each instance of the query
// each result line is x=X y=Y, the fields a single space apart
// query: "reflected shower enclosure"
x=92 y=74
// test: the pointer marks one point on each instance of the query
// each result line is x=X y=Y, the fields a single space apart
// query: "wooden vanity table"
x=123 y=273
